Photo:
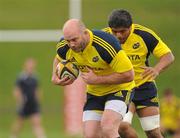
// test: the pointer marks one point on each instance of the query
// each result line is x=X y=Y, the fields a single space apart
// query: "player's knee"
x=106 y=129
x=154 y=133
x=124 y=126
x=91 y=134
x=126 y=131
x=107 y=126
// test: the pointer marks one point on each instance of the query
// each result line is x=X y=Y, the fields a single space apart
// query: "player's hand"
x=150 y=73
x=64 y=81
x=89 y=77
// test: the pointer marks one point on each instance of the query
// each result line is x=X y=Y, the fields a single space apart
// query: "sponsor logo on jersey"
x=83 y=68
x=134 y=57
x=72 y=59
x=136 y=45
x=95 y=59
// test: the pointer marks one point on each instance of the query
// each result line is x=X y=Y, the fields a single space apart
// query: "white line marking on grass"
x=30 y=35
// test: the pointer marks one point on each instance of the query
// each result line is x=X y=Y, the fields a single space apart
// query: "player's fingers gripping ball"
x=66 y=68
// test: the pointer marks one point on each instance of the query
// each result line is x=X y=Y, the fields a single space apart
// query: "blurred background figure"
x=26 y=93
x=73 y=107
x=170 y=114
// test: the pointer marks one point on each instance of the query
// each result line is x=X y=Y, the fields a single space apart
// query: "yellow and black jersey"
x=139 y=45
x=103 y=55
x=170 y=113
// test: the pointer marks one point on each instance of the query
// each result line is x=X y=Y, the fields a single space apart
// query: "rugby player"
x=139 y=42
x=107 y=71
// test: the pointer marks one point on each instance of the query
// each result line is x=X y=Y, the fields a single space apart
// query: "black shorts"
x=98 y=102
x=28 y=110
x=146 y=95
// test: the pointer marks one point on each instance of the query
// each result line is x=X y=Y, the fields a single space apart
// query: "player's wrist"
x=157 y=70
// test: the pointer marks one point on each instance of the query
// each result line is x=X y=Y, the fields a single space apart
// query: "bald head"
x=76 y=34
x=73 y=27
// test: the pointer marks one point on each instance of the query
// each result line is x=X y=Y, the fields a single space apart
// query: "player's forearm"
x=164 y=62
x=55 y=62
x=116 y=78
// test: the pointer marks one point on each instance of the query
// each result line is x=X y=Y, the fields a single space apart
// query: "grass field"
x=162 y=16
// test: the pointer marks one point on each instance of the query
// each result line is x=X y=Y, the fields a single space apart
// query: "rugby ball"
x=68 y=69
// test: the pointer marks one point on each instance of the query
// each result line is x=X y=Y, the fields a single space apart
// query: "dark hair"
x=120 y=18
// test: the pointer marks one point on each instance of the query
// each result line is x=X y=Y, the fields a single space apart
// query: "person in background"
x=170 y=113
x=27 y=94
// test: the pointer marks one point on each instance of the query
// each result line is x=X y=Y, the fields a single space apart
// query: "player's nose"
x=118 y=35
x=72 y=44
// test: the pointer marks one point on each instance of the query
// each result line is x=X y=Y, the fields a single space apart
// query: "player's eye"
x=74 y=39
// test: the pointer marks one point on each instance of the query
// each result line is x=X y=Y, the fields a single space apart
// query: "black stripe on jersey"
x=147 y=61
x=108 y=38
x=108 y=47
x=62 y=51
x=61 y=44
x=105 y=55
x=148 y=38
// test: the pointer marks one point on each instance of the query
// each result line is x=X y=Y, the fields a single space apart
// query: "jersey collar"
x=132 y=29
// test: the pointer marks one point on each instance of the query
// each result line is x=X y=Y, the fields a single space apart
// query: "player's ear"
x=85 y=31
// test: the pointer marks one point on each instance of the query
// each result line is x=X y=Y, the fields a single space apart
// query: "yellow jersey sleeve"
x=62 y=49
x=161 y=49
x=58 y=57
x=121 y=62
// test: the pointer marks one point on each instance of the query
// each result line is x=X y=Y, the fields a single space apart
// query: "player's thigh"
x=147 y=106
x=110 y=120
x=145 y=96
x=148 y=103
x=150 y=120
x=92 y=114
x=114 y=112
x=148 y=111
x=132 y=108
x=93 y=108
x=119 y=101
x=96 y=106
x=91 y=129
x=115 y=109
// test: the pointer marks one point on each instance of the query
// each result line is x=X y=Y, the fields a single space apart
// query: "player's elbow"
x=129 y=76
x=172 y=58
x=169 y=58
